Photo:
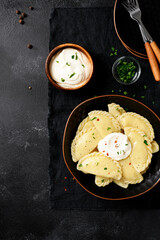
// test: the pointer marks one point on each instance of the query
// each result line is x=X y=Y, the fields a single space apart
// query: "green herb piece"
x=143 y=97
x=145 y=135
x=118 y=170
x=80 y=165
x=62 y=80
x=126 y=144
x=126 y=71
x=111 y=54
x=83 y=65
x=125 y=92
x=86 y=164
x=97 y=163
x=120 y=90
x=145 y=87
x=112 y=48
x=126 y=109
x=95 y=95
x=117 y=109
x=133 y=95
x=94 y=138
x=105 y=168
x=117 y=153
x=115 y=53
x=68 y=64
x=145 y=142
x=102 y=180
x=112 y=91
x=153 y=102
x=57 y=61
x=108 y=128
x=92 y=133
x=72 y=75
x=76 y=56
x=72 y=56
x=93 y=118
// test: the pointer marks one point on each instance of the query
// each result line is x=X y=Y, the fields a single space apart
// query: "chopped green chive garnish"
x=72 y=75
x=93 y=118
x=80 y=165
x=105 y=168
x=112 y=91
x=126 y=144
x=145 y=142
x=115 y=53
x=145 y=87
x=102 y=180
x=125 y=92
x=57 y=61
x=111 y=54
x=72 y=56
x=112 y=48
x=142 y=96
x=145 y=135
x=133 y=95
x=83 y=65
x=120 y=90
x=117 y=153
x=97 y=163
x=108 y=128
x=153 y=102
x=126 y=71
x=118 y=170
x=76 y=57
x=94 y=138
x=68 y=64
x=86 y=164
x=126 y=109
x=117 y=109
x=92 y=133
x=62 y=80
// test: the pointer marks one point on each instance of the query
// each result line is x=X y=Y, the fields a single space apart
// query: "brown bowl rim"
x=109 y=95
x=54 y=51
x=137 y=54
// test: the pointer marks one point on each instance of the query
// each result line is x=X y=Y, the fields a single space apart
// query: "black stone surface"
x=25 y=212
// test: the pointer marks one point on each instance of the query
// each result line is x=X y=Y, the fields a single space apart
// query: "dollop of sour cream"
x=115 y=145
x=70 y=68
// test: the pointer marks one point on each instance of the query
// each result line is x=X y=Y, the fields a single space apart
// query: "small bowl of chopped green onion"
x=126 y=70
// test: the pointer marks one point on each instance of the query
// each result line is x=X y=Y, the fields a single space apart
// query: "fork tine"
x=126 y=6
x=137 y=3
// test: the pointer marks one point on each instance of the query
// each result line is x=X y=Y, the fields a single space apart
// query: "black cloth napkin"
x=93 y=29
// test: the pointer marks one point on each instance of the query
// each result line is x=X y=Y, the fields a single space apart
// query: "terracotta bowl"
x=112 y=191
x=58 y=48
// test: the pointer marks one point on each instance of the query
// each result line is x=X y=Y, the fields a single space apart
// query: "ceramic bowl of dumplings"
x=87 y=181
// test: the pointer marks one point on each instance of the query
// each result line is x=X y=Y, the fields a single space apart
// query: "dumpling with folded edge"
x=84 y=143
x=102 y=181
x=85 y=124
x=104 y=122
x=97 y=164
x=131 y=119
x=155 y=147
x=115 y=109
x=129 y=173
x=141 y=152
x=122 y=183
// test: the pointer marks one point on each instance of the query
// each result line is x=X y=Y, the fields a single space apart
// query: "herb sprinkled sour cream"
x=115 y=145
x=70 y=68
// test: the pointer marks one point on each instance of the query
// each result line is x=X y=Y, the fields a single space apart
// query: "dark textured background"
x=25 y=212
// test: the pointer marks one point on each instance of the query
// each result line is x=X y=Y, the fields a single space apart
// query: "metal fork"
x=132 y=6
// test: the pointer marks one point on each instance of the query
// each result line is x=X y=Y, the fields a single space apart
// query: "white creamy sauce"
x=115 y=145
x=70 y=68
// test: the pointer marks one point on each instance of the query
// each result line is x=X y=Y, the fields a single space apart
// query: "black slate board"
x=93 y=29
